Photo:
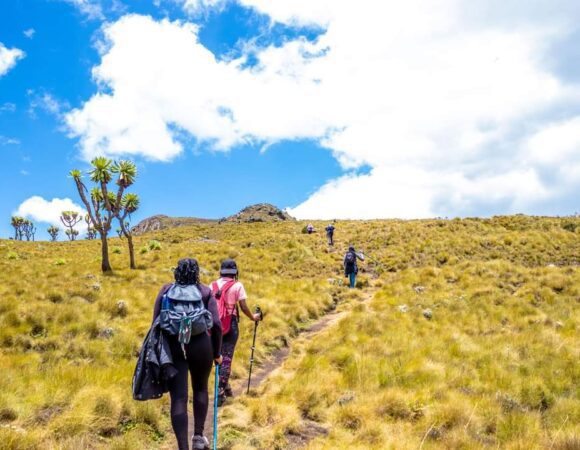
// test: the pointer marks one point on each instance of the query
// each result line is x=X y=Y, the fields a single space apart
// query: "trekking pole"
x=373 y=260
x=215 y=406
x=258 y=311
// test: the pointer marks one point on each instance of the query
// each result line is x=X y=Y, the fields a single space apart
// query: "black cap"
x=229 y=267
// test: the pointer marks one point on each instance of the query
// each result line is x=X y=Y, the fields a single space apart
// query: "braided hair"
x=187 y=271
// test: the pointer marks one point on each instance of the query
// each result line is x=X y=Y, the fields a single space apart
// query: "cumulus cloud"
x=40 y=210
x=448 y=103
x=8 y=58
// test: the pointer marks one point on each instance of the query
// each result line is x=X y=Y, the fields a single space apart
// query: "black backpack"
x=183 y=312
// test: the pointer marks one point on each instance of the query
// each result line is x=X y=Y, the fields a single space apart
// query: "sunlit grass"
x=495 y=366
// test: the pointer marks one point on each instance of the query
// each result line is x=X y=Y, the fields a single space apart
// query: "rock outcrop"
x=262 y=212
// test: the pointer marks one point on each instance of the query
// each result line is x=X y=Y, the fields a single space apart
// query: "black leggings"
x=198 y=364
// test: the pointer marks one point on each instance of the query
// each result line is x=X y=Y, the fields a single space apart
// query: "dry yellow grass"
x=496 y=364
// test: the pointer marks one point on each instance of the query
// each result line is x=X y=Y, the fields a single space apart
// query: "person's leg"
x=229 y=342
x=178 y=393
x=200 y=360
x=352 y=279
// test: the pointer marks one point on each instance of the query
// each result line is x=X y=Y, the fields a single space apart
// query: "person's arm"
x=244 y=307
x=216 y=329
x=157 y=305
x=242 y=300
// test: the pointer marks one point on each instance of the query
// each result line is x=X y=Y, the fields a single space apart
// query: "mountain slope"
x=495 y=365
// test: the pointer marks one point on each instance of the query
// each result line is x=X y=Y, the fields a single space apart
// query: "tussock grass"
x=495 y=365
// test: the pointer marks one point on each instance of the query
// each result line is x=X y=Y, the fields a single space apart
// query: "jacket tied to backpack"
x=183 y=313
x=154 y=368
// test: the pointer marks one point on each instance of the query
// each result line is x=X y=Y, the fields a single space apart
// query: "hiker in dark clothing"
x=350 y=265
x=194 y=358
x=310 y=228
x=330 y=234
x=229 y=293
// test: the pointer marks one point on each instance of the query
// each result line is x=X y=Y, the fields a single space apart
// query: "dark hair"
x=187 y=271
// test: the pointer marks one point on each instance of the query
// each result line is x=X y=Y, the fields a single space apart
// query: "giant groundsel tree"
x=103 y=205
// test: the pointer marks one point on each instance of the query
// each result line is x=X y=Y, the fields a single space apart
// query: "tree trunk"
x=131 y=250
x=105 y=264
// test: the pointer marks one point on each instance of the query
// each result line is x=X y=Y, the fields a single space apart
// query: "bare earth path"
x=275 y=361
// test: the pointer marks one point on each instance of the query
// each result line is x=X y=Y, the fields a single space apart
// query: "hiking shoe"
x=221 y=399
x=228 y=391
x=199 y=442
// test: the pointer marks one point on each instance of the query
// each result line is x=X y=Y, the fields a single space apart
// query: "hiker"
x=230 y=295
x=310 y=228
x=195 y=345
x=350 y=265
x=330 y=234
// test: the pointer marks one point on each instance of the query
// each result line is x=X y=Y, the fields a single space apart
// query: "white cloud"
x=7 y=107
x=435 y=97
x=92 y=9
x=9 y=140
x=556 y=144
x=29 y=33
x=196 y=6
x=8 y=58
x=40 y=210
x=45 y=102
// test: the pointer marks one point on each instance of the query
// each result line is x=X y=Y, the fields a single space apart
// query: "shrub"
x=60 y=262
x=117 y=250
x=570 y=226
x=144 y=249
x=12 y=255
x=154 y=245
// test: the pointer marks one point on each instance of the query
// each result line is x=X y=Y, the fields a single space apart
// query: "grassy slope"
x=496 y=364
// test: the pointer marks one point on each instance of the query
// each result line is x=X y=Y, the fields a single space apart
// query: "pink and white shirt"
x=233 y=295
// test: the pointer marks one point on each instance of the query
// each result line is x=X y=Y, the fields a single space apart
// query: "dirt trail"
x=274 y=362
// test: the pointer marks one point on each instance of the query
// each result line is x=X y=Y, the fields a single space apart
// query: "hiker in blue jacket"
x=351 y=266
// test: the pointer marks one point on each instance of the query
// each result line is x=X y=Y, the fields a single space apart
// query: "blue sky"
x=58 y=62
x=332 y=109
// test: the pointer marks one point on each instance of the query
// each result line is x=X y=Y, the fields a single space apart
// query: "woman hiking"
x=230 y=294
x=195 y=344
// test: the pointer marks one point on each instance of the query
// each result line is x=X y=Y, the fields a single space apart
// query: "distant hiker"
x=229 y=293
x=330 y=234
x=189 y=317
x=350 y=265
x=310 y=228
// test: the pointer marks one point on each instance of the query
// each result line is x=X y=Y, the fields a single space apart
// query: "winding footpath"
x=274 y=362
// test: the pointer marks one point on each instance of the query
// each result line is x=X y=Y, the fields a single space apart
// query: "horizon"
x=329 y=110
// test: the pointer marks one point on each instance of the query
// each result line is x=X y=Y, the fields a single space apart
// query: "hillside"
x=262 y=212
x=494 y=365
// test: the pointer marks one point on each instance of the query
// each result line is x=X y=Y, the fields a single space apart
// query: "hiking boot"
x=221 y=399
x=199 y=442
x=228 y=391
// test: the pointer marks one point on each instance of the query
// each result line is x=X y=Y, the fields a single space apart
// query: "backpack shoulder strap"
x=206 y=293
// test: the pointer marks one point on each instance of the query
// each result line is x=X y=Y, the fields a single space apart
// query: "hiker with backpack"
x=189 y=319
x=351 y=266
x=309 y=228
x=231 y=296
x=330 y=234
